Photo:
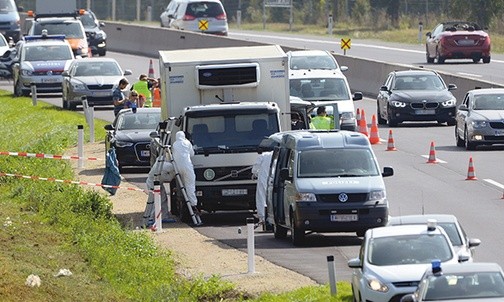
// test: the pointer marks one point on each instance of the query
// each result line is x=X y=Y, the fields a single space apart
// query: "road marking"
x=470 y=74
x=493 y=182
x=437 y=159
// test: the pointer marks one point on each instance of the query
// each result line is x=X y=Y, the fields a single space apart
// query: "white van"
x=326 y=85
x=325 y=181
x=204 y=16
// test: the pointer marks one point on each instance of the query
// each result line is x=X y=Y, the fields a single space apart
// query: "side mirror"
x=102 y=24
x=384 y=88
x=463 y=258
x=128 y=72
x=284 y=174
x=170 y=16
x=408 y=298
x=387 y=171
x=428 y=34
x=474 y=242
x=343 y=68
x=65 y=73
x=354 y=263
x=463 y=107
x=20 y=8
x=452 y=86
x=108 y=127
x=357 y=96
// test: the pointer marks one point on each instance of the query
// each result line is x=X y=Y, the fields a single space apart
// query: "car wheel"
x=18 y=90
x=72 y=106
x=468 y=144
x=392 y=122
x=297 y=234
x=460 y=142
x=486 y=60
x=440 y=59
x=381 y=121
x=279 y=231
x=451 y=122
x=429 y=59
x=355 y=296
x=476 y=60
x=102 y=53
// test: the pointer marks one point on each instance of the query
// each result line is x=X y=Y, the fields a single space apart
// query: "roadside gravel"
x=194 y=253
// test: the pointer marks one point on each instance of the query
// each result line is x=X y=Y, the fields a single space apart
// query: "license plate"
x=465 y=42
x=50 y=80
x=234 y=192
x=101 y=93
x=145 y=153
x=425 y=111
x=344 y=217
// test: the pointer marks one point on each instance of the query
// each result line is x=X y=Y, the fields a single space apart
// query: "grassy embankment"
x=47 y=226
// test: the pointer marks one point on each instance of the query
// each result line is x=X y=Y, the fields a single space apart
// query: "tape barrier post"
x=157 y=206
x=332 y=275
x=89 y=114
x=33 y=88
x=250 y=245
x=80 y=146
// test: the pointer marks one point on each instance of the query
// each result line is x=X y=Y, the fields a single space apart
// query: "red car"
x=457 y=40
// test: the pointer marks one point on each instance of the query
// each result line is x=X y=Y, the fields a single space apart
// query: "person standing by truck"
x=182 y=153
x=322 y=121
x=143 y=87
x=260 y=169
x=118 y=96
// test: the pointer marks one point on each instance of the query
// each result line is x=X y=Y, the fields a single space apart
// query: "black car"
x=129 y=135
x=415 y=95
x=96 y=37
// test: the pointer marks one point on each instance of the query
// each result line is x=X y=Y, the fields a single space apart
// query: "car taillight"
x=221 y=17
x=188 y=18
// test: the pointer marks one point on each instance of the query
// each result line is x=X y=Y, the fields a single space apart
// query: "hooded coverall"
x=182 y=153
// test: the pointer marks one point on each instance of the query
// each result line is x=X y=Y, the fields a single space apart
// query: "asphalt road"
x=417 y=187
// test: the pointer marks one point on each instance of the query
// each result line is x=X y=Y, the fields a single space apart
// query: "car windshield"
x=139 y=120
x=88 y=21
x=7 y=6
x=312 y=62
x=337 y=162
x=69 y=29
x=92 y=68
x=472 y=285
x=409 y=249
x=419 y=82
x=319 y=89
x=489 y=102
x=47 y=53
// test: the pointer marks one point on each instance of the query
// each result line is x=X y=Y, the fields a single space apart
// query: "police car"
x=393 y=259
x=41 y=60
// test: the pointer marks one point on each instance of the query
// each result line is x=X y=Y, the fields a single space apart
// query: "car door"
x=461 y=115
x=383 y=96
x=433 y=40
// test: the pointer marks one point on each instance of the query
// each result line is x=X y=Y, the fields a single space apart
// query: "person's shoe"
x=168 y=220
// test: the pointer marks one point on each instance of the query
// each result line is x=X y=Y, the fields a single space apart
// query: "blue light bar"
x=436 y=266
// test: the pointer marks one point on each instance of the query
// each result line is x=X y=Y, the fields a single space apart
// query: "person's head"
x=123 y=83
x=134 y=95
x=143 y=77
x=321 y=110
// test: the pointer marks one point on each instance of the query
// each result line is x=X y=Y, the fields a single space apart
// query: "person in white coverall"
x=261 y=170
x=166 y=175
x=183 y=151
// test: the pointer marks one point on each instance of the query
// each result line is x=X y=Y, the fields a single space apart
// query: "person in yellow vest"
x=143 y=87
x=322 y=121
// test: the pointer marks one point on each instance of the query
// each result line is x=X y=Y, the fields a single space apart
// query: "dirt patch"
x=195 y=254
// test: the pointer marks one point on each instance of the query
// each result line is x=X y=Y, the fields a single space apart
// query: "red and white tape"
x=43 y=155
x=81 y=183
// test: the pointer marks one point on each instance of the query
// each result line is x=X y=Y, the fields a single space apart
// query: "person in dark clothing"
x=118 y=96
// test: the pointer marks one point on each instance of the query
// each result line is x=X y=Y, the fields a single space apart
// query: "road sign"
x=203 y=24
x=346 y=43
x=277 y=3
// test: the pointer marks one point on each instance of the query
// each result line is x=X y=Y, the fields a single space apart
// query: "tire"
x=279 y=231
x=72 y=106
x=468 y=144
x=102 y=53
x=392 y=122
x=440 y=59
x=18 y=90
x=476 y=60
x=451 y=122
x=381 y=121
x=297 y=234
x=429 y=59
x=486 y=60
x=460 y=142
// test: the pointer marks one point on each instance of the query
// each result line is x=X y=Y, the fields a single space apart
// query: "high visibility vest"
x=322 y=122
x=143 y=88
x=156 y=97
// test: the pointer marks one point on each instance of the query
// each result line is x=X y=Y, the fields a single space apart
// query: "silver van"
x=325 y=181
x=204 y=16
x=9 y=20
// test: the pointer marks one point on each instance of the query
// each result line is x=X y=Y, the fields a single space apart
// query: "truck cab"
x=325 y=181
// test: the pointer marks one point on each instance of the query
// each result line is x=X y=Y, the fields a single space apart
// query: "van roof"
x=306 y=139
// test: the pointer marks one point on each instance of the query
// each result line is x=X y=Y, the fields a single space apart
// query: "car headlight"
x=121 y=144
x=375 y=284
x=449 y=103
x=26 y=72
x=479 y=124
x=78 y=86
x=398 y=104
x=377 y=195
x=306 y=197
x=346 y=115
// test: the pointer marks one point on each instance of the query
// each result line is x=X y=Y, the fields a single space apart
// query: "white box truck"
x=228 y=100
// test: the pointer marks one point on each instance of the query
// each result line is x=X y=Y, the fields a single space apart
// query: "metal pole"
x=157 y=206
x=291 y=17
x=250 y=245
x=332 y=277
x=238 y=14
x=330 y=24
x=149 y=13
x=138 y=10
x=264 y=14
x=113 y=10
x=33 y=89
x=80 y=146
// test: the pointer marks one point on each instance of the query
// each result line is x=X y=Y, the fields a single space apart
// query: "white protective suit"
x=261 y=170
x=182 y=153
x=166 y=176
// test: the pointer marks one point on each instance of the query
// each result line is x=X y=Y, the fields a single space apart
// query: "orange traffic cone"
x=390 y=144
x=470 y=170
x=358 y=117
x=374 y=136
x=151 y=70
x=432 y=154
x=156 y=97
x=363 y=124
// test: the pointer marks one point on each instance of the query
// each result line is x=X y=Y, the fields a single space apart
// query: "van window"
x=7 y=6
x=348 y=162
x=204 y=9
x=316 y=88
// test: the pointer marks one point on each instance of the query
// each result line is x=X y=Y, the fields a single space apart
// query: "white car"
x=392 y=260
x=463 y=245
x=166 y=16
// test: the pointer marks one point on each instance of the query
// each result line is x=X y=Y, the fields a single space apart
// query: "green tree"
x=479 y=11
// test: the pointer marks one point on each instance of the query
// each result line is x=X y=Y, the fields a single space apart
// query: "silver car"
x=94 y=78
x=480 y=118
x=204 y=16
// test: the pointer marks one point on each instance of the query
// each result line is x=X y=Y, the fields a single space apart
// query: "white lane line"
x=470 y=74
x=493 y=182
x=437 y=159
